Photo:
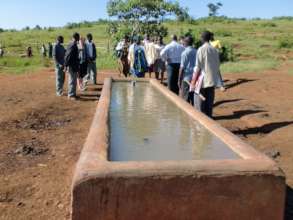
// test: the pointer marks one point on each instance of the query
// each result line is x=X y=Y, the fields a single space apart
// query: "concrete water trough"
x=151 y=156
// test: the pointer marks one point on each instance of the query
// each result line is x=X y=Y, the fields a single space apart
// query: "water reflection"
x=147 y=126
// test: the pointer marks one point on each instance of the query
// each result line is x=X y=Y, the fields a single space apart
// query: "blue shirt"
x=188 y=60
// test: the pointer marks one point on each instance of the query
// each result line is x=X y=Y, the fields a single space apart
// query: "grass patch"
x=249 y=66
x=18 y=65
x=255 y=43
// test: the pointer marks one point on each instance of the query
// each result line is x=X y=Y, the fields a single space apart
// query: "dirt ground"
x=41 y=135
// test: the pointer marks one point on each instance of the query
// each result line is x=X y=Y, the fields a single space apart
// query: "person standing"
x=160 y=65
x=72 y=65
x=29 y=52
x=172 y=55
x=83 y=63
x=91 y=60
x=50 y=50
x=1 y=51
x=150 y=52
x=137 y=59
x=188 y=58
x=207 y=66
x=44 y=50
x=58 y=55
x=122 y=53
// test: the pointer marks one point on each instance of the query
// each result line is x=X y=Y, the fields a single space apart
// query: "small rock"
x=60 y=206
x=20 y=204
x=272 y=153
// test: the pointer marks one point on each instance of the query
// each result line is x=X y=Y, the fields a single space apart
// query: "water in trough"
x=147 y=126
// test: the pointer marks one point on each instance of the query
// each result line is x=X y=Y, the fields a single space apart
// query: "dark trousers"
x=186 y=94
x=173 y=74
x=206 y=106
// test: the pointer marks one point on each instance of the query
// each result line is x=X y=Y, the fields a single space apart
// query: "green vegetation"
x=257 y=44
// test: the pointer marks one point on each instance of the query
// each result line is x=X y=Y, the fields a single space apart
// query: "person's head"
x=174 y=37
x=206 y=36
x=137 y=40
x=76 y=37
x=212 y=36
x=147 y=37
x=89 y=37
x=182 y=38
x=60 y=39
x=126 y=38
x=82 y=41
x=188 y=41
x=160 y=40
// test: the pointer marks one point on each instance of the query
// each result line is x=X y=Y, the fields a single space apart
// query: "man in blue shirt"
x=187 y=65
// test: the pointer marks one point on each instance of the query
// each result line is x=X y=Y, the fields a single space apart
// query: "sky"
x=19 y=13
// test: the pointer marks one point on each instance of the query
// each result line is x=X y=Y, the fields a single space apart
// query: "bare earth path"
x=41 y=135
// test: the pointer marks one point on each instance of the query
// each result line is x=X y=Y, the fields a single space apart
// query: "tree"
x=37 y=27
x=143 y=16
x=214 y=8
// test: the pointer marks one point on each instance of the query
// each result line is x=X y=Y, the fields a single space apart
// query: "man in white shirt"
x=207 y=63
x=172 y=55
x=91 y=54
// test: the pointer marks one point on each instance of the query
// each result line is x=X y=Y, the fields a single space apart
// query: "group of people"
x=48 y=49
x=193 y=74
x=79 y=60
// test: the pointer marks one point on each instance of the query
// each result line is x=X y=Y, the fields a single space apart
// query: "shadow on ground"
x=289 y=204
x=239 y=82
x=265 y=129
x=218 y=103
x=238 y=114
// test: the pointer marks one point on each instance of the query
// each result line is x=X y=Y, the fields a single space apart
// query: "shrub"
x=268 y=24
x=285 y=43
x=227 y=54
x=223 y=33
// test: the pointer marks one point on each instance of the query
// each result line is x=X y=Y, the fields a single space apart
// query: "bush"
x=227 y=54
x=285 y=43
x=268 y=24
x=223 y=33
x=286 y=18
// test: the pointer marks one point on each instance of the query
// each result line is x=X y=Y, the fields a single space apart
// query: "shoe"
x=59 y=94
x=72 y=98
x=223 y=89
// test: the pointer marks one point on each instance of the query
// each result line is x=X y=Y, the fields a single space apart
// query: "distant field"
x=257 y=44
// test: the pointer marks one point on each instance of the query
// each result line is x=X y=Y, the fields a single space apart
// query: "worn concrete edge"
x=93 y=161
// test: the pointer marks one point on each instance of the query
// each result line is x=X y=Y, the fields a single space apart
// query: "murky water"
x=146 y=126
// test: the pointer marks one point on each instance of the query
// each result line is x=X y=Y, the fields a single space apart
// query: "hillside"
x=257 y=44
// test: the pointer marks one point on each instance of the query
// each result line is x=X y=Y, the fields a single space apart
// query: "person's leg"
x=209 y=103
x=93 y=72
x=169 y=76
x=60 y=77
x=72 y=82
x=198 y=103
x=174 y=80
x=162 y=76
x=191 y=98
x=185 y=91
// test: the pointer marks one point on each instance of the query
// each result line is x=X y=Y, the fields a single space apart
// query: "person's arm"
x=181 y=70
x=197 y=71
x=94 y=52
x=164 y=54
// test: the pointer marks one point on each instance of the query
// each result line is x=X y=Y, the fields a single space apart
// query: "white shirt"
x=172 y=52
x=208 y=61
